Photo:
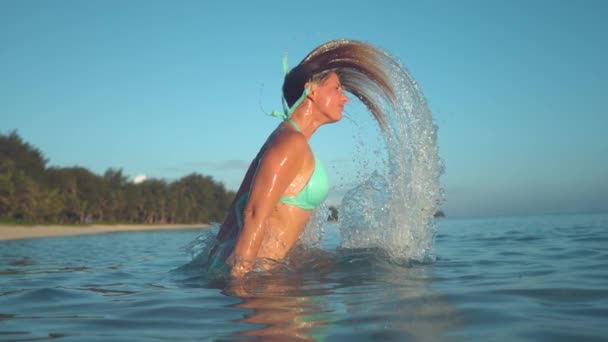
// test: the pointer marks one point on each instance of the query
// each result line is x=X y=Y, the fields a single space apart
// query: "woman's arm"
x=277 y=169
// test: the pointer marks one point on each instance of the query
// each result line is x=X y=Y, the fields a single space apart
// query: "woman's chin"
x=335 y=117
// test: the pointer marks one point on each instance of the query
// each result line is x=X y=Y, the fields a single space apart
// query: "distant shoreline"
x=17 y=232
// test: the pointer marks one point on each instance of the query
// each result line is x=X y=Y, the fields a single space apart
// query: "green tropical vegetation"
x=32 y=192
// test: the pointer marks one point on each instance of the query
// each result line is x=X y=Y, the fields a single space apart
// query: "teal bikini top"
x=316 y=189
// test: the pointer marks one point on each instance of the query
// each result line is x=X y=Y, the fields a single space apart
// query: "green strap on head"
x=287 y=111
x=285 y=65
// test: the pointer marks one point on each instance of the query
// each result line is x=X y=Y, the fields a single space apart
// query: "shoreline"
x=16 y=232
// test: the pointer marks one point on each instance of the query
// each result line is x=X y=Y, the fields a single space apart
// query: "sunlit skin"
x=281 y=168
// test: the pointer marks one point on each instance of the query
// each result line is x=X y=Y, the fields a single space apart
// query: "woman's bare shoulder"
x=289 y=141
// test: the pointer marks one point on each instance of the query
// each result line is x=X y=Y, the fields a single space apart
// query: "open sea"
x=541 y=278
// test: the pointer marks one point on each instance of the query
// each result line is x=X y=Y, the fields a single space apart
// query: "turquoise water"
x=502 y=279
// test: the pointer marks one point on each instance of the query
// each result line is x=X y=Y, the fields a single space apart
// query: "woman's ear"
x=313 y=89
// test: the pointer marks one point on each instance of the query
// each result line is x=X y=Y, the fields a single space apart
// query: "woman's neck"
x=306 y=118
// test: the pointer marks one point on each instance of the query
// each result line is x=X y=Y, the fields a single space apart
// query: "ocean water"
x=541 y=278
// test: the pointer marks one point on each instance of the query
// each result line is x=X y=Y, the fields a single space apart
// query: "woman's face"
x=330 y=97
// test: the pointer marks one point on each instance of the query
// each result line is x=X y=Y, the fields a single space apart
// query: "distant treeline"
x=32 y=192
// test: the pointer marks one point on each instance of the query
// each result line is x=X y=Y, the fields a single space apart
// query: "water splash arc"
x=393 y=208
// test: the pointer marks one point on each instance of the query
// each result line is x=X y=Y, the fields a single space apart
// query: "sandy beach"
x=14 y=232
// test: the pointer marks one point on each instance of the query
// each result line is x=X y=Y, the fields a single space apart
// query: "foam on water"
x=393 y=208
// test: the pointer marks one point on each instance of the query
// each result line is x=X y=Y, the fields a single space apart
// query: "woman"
x=286 y=182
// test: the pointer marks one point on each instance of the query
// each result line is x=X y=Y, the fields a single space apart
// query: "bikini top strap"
x=295 y=126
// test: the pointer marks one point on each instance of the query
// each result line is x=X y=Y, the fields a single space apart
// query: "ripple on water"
x=48 y=295
x=21 y=262
x=556 y=295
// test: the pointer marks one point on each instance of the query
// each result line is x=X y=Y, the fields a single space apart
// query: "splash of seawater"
x=313 y=233
x=393 y=209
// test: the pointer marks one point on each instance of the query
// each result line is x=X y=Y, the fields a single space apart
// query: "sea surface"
x=540 y=278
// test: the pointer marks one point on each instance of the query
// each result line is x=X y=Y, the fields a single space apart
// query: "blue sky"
x=167 y=88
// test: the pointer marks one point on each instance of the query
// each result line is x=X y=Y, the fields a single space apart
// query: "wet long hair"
x=362 y=69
